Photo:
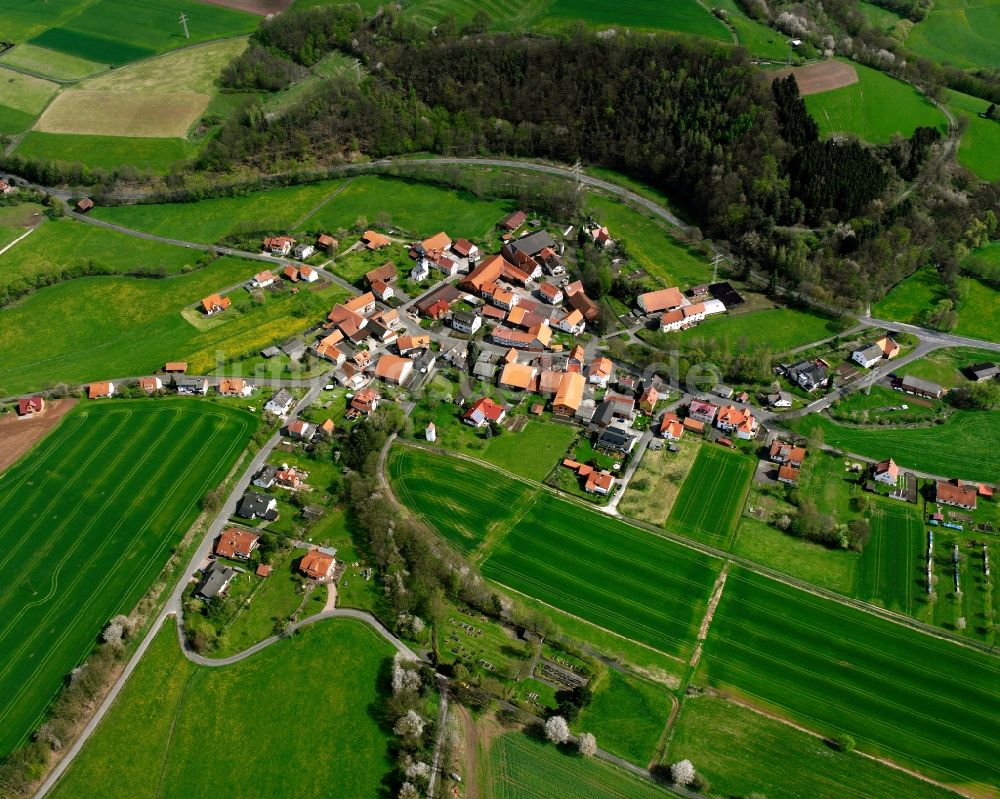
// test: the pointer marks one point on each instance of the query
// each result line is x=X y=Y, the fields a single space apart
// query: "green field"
x=780 y=329
x=89 y=519
x=880 y=18
x=981 y=140
x=208 y=221
x=615 y=576
x=875 y=108
x=65 y=247
x=49 y=63
x=106 y=152
x=22 y=98
x=665 y=260
x=761 y=40
x=524 y=768
x=909 y=299
x=297 y=714
x=22 y=19
x=741 y=751
x=466 y=502
x=627 y=716
x=119 y=31
x=979 y=311
x=918 y=700
x=965 y=33
x=965 y=446
x=711 y=500
x=113 y=326
x=945 y=366
x=410 y=206
x=681 y=16
x=633 y=583
x=891 y=571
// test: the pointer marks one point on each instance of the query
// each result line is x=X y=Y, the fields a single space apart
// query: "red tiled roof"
x=234 y=542
x=316 y=564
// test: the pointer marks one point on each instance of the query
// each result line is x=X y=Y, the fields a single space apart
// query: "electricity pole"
x=357 y=69
x=715 y=267
x=184 y=22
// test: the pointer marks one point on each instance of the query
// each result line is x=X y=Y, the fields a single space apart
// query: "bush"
x=842 y=743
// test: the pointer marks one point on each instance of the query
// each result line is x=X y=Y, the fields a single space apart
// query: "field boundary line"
x=23 y=236
x=812 y=733
x=752 y=566
x=173 y=727
x=320 y=206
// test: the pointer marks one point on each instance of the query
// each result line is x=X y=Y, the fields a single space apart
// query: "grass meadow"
x=965 y=33
x=761 y=40
x=965 y=446
x=22 y=19
x=627 y=716
x=880 y=18
x=921 y=701
x=154 y=155
x=711 y=500
x=631 y=582
x=666 y=261
x=88 y=520
x=22 y=98
x=979 y=310
x=114 y=326
x=208 y=221
x=875 y=108
x=51 y=64
x=981 y=140
x=292 y=720
x=117 y=32
x=520 y=767
x=909 y=299
x=65 y=244
x=742 y=752
x=780 y=329
x=679 y=16
x=945 y=366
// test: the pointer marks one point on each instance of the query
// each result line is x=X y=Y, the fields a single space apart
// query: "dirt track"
x=261 y=7
x=17 y=436
x=821 y=77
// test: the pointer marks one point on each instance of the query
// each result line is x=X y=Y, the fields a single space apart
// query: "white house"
x=308 y=274
x=262 y=279
x=280 y=404
x=303 y=251
x=421 y=270
x=431 y=432
x=465 y=322
x=573 y=323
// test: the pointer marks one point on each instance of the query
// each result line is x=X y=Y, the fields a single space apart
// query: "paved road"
x=933 y=336
x=640 y=449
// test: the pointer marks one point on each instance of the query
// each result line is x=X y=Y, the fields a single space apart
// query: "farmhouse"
x=319 y=564
x=308 y=274
x=572 y=323
x=528 y=246
x=599 y=482
x=951 y=492
x=301 y=430
x=599 y=371
x=214 y=581
x=365 y=401
x=981 y=372
x=661 y=301
x=265 y=477
x=781 y=452
x=393 y=369
x=810 y=375
x=387 y=273
x=702 y=411
x=191 y=386
x=235 y=387
x=514 y=221
x=303 y=251
x=213 y=304
x=569 y=395
x=327 y=348
x=236 y=543
x=518 y=376
x=327 y=243
x=100 y=390
x=921 y=388
x=375 y=241
x=464 y=248
x=408 y=344
x=788 y=474
x=886 y=472
x=150 y=384
x=29 y=406
x=278 y=245
x=739 y=420
x=292 y=273
x=465 y=322
x=281 y=403
x=780 y=399
x=578 y=299
x=175 y=367
x=884 y=348
x=551 y=294
x=288 y=478
x=616 y=439
x=671 y=427
x=257 y=506
x=263 y=279
x=484 y=411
